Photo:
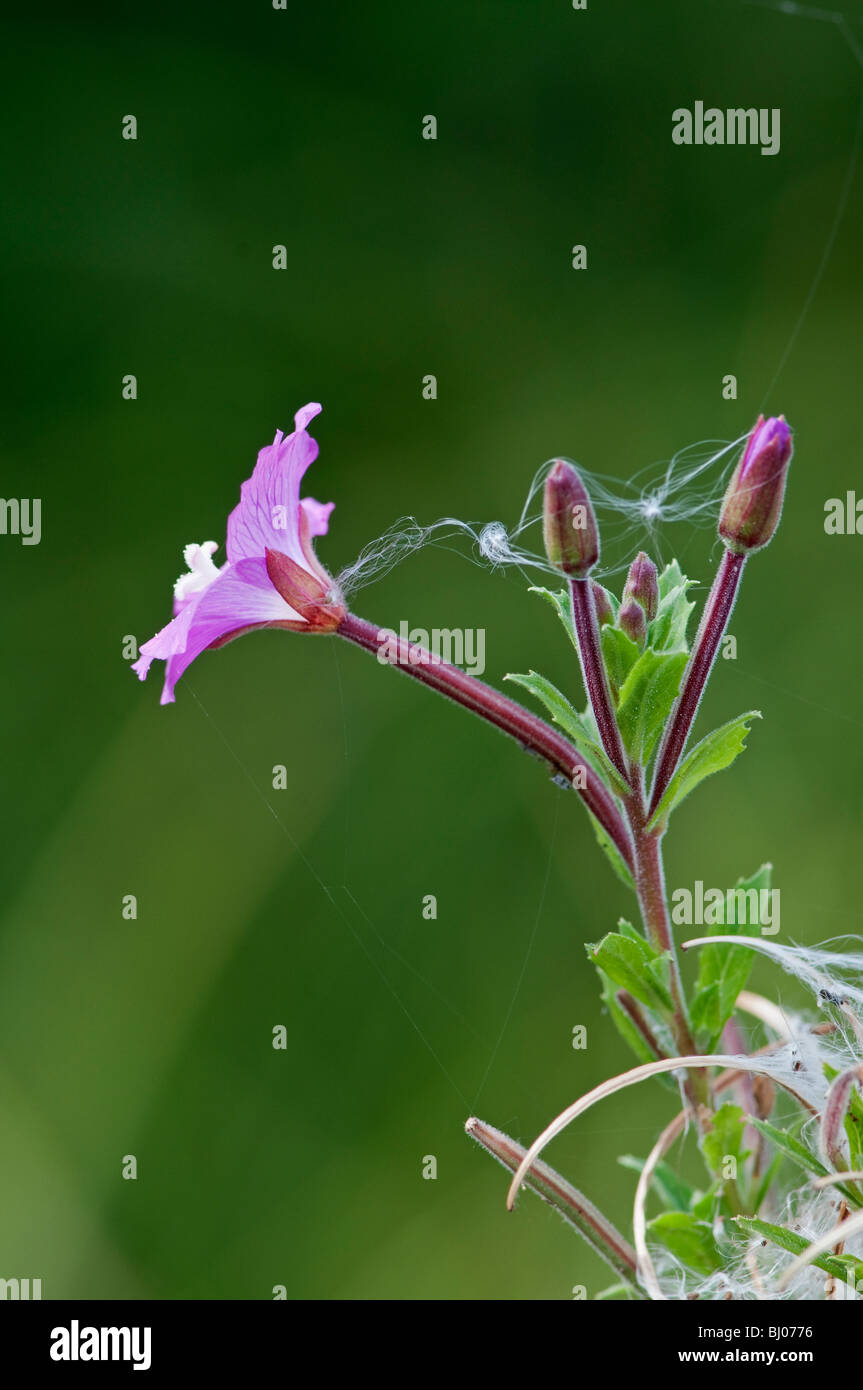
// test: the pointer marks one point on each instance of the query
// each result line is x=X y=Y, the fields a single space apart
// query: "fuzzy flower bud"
x=604 y=610
x=753 y=501
x=642 y=584
x=632 y=621
x=569 y=524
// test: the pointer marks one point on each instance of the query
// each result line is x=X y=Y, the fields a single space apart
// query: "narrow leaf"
x=561 y=602
x=836 y=1265
x=612 y=853
x=573 y=725
x=669 y=1187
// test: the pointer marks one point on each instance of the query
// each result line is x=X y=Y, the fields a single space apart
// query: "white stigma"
x=201 y=571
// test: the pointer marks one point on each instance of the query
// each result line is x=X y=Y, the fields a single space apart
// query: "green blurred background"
x=303 y=907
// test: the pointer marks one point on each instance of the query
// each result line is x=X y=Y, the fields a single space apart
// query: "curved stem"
x=714 y=621
x=532 y=733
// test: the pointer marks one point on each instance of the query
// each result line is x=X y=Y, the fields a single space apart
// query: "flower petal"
x=241 y=597
x=267 y=516
x=318 y=514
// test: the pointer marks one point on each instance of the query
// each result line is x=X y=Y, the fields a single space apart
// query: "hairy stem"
x=714 y=621
x=650 y=887
x=507 y=715
x=575 y=1208
x=593 y=671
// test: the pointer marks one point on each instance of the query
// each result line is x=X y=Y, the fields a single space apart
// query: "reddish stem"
x=593 y=671
x=650 y=886
x=507 y=715
x=714 y=621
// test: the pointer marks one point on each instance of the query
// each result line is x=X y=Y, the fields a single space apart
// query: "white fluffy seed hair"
x=686 y=488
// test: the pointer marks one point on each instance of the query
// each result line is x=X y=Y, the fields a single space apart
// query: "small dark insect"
x=829 y=998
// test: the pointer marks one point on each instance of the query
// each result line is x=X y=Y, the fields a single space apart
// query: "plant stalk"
x=593 y=671
x=532 y=733
x=711 y=630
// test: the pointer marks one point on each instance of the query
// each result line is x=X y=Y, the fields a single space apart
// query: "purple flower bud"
x=604 y=610
x=632 y=621
x=753 y=501
x=569 y=525
x=642 y=584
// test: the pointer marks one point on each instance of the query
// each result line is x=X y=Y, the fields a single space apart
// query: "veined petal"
x=267 y=516
x=318 y=514
x=241 y=597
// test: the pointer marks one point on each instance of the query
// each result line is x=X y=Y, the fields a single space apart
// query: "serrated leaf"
x=729 y=966
x=671 y=578
x=714 y=753
x=671 y=1189
x=612 y=853
x=619 y=655
x=689 y=1240
x=836 y=1265
x=630 y=963
x=573 y=725
x=561 y=602
x=667 y=632
x=646 y=698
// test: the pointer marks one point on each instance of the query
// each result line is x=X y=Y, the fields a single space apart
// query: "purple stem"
x=648 y=873
x=630 y=1007
x=650 y=886
x=593 y=671
x=714 y=621
x=508 y=716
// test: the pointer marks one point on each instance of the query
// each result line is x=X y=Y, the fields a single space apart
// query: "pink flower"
x=272 y=577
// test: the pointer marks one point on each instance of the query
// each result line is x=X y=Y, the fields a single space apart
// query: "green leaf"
x=667 y=632
x=633 y=965
x=671 y=578
x=728 y=967
x=791 y=1147
x=766 y=1181
x=622 y=1022
x=618 y=1291
x=619 y=654
x=573 y=725
x=671 y=1189
x=689 y=1240
x=612 y=853
x=561 y=602
x=704 y=1016
x=715 y=752
x=705 y=1204
x=837 y=1265
x=724 y=1139
x=646 y=698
